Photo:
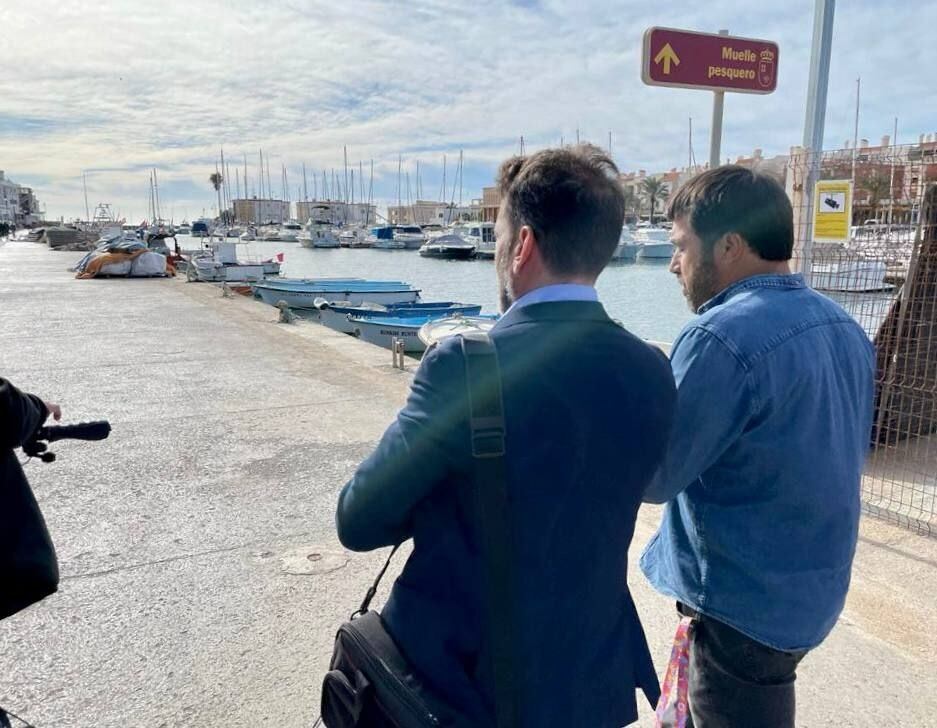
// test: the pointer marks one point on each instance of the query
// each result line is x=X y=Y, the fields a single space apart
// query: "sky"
x=114 y=88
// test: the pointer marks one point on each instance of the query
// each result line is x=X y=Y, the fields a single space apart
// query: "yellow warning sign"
x=832 y=210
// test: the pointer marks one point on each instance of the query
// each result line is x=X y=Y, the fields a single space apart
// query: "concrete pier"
x=202 y=578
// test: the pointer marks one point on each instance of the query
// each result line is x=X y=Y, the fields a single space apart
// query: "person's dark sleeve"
x=21 y=415
x=714 y=404
x=415 y=455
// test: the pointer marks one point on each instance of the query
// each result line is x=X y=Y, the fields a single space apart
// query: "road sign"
x=832 y=210
x=709 y=61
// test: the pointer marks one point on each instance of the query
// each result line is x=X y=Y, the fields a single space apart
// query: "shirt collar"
x=556 y=292
x=767 y=280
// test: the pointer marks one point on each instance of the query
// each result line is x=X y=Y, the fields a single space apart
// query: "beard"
x=701 y=286
x=503 y=270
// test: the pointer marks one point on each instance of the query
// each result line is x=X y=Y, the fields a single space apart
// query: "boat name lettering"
x=398 y=334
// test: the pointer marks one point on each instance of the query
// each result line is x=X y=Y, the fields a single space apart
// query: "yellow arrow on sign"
x=667 y=56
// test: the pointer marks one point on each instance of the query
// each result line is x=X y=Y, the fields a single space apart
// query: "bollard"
x=397 y=353
x=286 y=316
x=226 y=291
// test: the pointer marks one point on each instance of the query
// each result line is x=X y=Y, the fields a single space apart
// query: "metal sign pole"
x=715 y=134
x=816 y=117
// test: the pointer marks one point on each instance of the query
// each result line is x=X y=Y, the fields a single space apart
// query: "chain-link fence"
x=885 y=274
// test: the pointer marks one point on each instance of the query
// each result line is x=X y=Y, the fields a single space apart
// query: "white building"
x=18 y=204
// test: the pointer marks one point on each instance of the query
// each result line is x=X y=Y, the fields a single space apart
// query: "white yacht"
x=655 y=243
x=627 y=248
x=412 y=236
x=479 y=234
x=289 y=232
x=318 y=234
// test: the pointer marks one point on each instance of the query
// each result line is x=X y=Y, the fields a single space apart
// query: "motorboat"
x=200 y=229
x=412 y=236
x=353 y=237
x=184 y=228
x=654 y=243
x=289 y=232
x=855 y=276
x=448 y=247
x=271 y=233
x=248 y=236
x=336 y=316
x=385 y=331
x=627 y=248
x=318 y=234
x=382 y=237
x=233 y=232
x=303 y=294
x=219 y=263
x=479 y=234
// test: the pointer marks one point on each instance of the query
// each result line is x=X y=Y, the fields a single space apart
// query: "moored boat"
x=336 y=316
x=384 y=331
x=353 y=292
x=448 y=247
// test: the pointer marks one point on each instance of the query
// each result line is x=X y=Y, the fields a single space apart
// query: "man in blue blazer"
x=588 y=409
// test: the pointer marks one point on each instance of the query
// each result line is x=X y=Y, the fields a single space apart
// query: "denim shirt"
x=761 y=479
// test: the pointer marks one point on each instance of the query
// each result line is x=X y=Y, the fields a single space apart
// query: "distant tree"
x=631 y=202
x=216 y=180
x=652 y=189
x=876 y=184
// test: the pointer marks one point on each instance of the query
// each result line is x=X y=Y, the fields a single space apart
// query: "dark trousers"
x=736 y=682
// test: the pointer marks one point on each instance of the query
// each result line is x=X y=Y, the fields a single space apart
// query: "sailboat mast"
x=360 y=181
x=345 y=154
x=855 y=135
x=460 y=178
x=305 y=185
x=84 y=183
x=367 y=215
x=156 y=195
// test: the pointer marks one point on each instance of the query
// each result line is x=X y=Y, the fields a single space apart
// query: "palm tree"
x=216 y=180
x=653 y=188
x=877 y=186
x=631 y=202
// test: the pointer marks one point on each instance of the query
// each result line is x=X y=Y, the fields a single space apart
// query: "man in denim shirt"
x=761 y=480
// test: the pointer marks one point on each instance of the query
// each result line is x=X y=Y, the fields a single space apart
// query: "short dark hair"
x=734 y=199
x=572 y=199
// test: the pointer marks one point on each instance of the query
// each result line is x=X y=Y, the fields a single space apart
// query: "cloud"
x=122 y=86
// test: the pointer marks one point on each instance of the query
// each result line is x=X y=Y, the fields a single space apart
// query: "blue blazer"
x=588 y=409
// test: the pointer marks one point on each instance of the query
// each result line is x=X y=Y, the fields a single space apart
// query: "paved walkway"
x=202 y=580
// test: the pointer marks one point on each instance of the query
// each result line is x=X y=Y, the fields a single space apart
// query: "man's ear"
x=732 y=247
x=526 y=246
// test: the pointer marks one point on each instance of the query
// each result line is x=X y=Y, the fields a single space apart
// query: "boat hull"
x=337 y=318
x=383 y=333
x=851 y=277
x=655 y=251
x=296 y=298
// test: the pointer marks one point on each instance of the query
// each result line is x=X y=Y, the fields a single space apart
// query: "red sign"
x=709 y=61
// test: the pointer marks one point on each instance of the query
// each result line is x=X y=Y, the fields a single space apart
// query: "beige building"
x=261 y=211
x=337 y=212
x=425 y=212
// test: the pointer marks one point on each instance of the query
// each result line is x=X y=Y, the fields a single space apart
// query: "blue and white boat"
x=336 y=316
x=384 y=331
x=382 y=238
x=302 y=294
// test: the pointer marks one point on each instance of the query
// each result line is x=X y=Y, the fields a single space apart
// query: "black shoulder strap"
x=486 y=415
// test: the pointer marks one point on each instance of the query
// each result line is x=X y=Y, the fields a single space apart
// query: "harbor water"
x=644 y=296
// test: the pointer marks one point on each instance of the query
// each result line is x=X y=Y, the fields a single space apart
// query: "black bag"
x=370 y=684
